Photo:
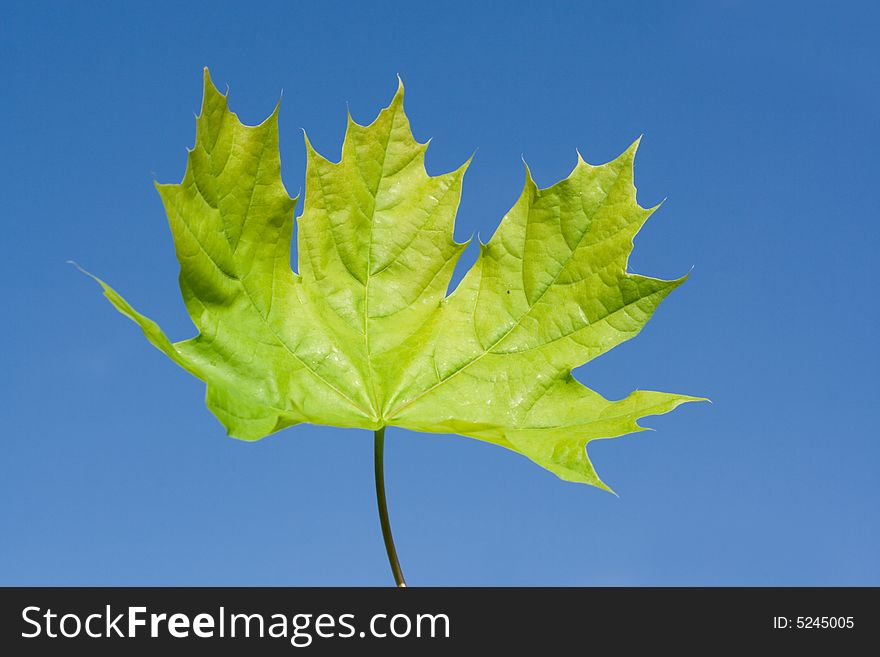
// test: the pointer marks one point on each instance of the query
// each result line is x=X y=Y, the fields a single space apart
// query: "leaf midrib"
x=372 y=215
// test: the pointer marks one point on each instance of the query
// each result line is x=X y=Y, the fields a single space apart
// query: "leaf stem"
x=378 y=459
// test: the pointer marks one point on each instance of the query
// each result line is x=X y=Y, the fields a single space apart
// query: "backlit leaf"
x=364 y=335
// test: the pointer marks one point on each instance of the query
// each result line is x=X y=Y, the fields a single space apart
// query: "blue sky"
x=760 y=124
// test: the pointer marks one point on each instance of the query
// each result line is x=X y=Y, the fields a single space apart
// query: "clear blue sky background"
x=760 y=123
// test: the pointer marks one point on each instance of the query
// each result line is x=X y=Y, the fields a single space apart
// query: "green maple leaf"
x=365 y=335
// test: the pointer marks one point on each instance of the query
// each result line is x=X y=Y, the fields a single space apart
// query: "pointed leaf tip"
x=656 y=207
x=631 y=150
x=530 y=181
x=601 y=485
x=310 y=150
x=398 y=93
x=209 y=85
x=466 y=164
x=75 y=264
